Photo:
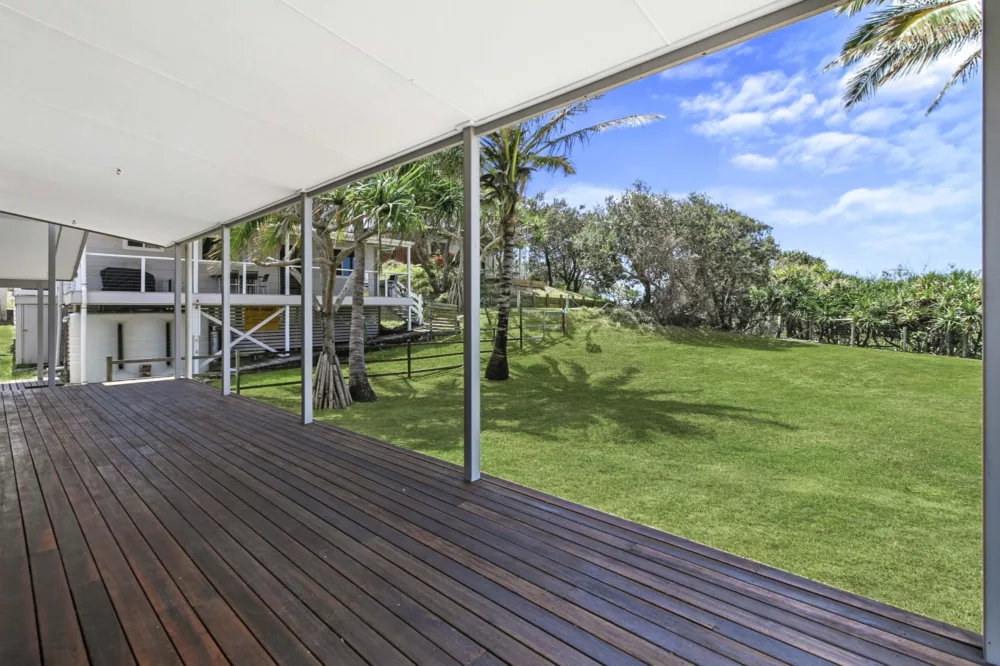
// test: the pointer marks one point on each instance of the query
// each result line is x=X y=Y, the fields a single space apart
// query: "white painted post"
x=83 y=316
x=178 y=306
x=53 y=304
x=409 y=294
x=991 y=333
x=197 y=265
x=226 y=314
x=288 y=292
x=189 y=350
x=307 y=309
x=243 y=278
x=40 y=346
x=470 y=302
x=142 y=274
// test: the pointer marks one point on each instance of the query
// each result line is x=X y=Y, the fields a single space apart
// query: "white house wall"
x=26 y=332
x=144 y=335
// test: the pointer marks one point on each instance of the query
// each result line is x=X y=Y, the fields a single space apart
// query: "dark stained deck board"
x=162 y=522
x=18 y=385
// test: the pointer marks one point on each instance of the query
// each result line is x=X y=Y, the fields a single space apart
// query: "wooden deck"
x=159 y=523
x=12 y=385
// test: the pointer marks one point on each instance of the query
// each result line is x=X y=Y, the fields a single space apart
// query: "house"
x=121 y=303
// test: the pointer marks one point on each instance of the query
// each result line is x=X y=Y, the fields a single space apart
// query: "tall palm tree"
x=510 y=156
x=902 y=37
x=384 y=203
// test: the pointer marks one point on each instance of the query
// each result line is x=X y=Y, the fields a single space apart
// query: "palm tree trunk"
x=361 y=390
x=497 y=368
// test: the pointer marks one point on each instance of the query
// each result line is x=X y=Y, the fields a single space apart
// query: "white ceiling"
x=213 y=109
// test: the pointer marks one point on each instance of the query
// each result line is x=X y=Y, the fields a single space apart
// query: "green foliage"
x=903 y=37
x=858 y=469
x=938 y=310
x=695 y=260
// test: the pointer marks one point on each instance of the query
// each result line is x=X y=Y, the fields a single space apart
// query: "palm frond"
x=964 y=73
x=903 y=39
x=568 y=141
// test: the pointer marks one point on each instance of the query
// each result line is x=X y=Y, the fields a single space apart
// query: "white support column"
x=991 y=333
x=287 y=292
x=83 y=316
x=189 y=321
x=409 y=309
x=177 y=341
x=243 y=278
x=470 y=301
x=53 y=305
x=226 y=314
x=142 y=274
x=40 y=347
x=307 y=309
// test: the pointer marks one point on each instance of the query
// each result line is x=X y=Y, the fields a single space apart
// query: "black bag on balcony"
x=125 y=279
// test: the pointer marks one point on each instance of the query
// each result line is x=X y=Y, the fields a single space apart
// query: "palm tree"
x=510 y=156
x=384 y=203
x=902 y=37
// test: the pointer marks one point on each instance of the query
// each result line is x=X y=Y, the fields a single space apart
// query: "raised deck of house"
x=160 y=523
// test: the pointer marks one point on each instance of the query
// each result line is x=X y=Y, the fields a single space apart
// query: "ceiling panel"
x=212 y=110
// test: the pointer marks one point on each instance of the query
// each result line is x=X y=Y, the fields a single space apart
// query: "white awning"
x=24 y=252
x=161 y=119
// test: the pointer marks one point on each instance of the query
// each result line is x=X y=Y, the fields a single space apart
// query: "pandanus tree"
x=903 y=37
x=509 y=157
x=343 y=221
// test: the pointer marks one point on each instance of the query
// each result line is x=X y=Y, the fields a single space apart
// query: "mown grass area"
x=855 y=467
x=7 y=370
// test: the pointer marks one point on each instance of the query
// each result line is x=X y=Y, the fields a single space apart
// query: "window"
x=137 y=245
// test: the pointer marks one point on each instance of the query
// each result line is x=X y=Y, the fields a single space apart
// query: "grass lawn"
x=858 y=468
x=6 y=367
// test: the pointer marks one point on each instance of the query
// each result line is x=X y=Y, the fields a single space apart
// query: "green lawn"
x=858 y=468
x=6 y=366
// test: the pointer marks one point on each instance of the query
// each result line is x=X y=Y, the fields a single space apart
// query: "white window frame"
x=142 y=246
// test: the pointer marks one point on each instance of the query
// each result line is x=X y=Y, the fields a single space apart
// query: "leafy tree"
x=509 y=157
x=559 y=238
x=902 y=37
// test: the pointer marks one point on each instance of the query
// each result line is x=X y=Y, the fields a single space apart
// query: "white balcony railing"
x=155 y=274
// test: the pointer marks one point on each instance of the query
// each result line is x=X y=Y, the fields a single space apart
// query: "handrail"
x=111 y=361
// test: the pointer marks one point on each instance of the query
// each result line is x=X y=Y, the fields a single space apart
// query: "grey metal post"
x=83 y=315
x=991 y=333
x=189 y=350
x=470 y=302
x=40 y=346
x=53 y=304
x=178 y=280
x=227 y=340
x=307 y=309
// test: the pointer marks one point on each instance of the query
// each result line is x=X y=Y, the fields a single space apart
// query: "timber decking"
x=159 y=523
x=11 y=385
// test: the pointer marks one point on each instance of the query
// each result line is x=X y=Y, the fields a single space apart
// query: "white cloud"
x=761 y=100
x=583 y=194
x=702 y=68
x=904 y=198
x=832 y=152
x=754 y=162
x=881 y=117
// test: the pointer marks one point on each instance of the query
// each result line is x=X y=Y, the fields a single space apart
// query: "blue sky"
x=760 y=127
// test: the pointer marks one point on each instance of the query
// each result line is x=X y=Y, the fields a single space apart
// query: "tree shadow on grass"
x=554 y=400
x=700 y=337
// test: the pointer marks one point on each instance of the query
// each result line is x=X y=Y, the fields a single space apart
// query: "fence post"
x=520 y=324
x=409 y=360
x=237 y=364
x=564 y=323
x=110 y=367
